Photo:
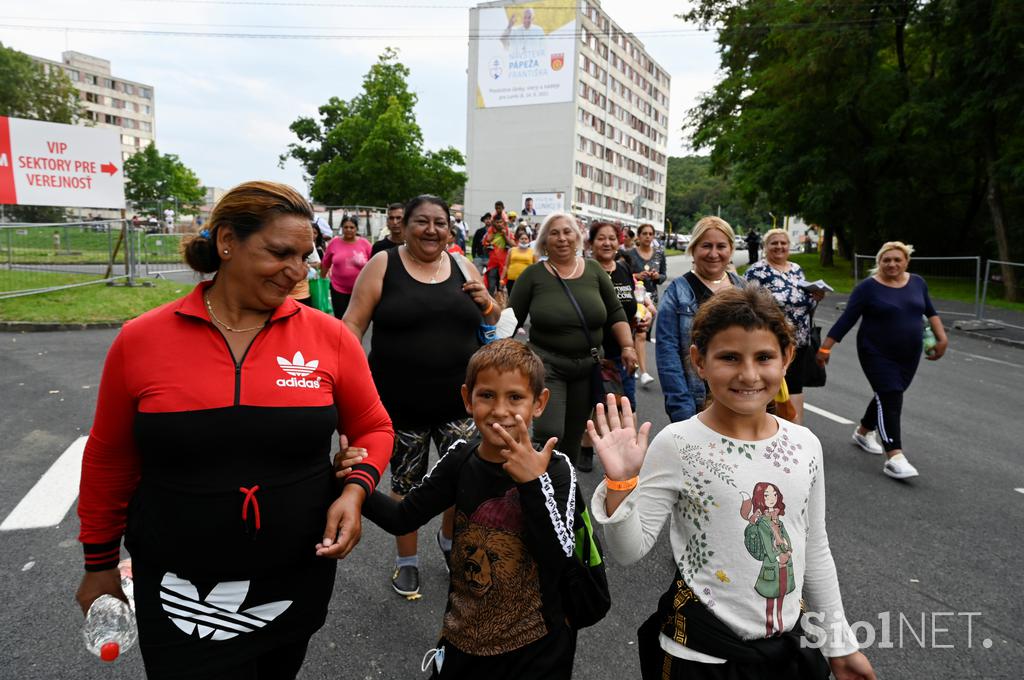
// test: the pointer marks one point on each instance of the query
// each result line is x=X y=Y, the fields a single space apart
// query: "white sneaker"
x=869 y=442
x=646 y=379
x=898 y=467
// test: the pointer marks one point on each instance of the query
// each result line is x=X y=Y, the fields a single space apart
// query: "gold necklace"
x=209 y=308
x=713 y=282
x=440 y=263
x=575 y=268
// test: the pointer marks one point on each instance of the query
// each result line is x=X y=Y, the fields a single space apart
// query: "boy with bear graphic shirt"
x=513 y=527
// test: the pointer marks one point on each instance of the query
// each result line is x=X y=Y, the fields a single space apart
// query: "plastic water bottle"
x=640 y=295
x=109 y=629
x=929 y=339
x=487 y=333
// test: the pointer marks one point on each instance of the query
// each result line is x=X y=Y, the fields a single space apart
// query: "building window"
x=129 y=88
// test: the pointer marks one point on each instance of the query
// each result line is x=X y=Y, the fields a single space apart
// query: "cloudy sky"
x=224 y=103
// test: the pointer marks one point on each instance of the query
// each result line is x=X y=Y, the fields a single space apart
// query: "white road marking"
x=827 y=414
x=1019 y=490
x=985 y=358
x=49 y=500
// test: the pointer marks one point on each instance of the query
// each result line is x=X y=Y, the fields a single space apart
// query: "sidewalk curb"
x=1009 y=342
x=45 y=327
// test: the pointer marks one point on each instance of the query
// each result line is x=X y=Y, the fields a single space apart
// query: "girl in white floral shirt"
x=745 y=495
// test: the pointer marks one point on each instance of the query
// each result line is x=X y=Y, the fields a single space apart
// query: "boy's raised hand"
x=617 y=442
x=522 y=462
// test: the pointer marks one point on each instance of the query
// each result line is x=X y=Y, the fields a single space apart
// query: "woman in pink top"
x=345 y=257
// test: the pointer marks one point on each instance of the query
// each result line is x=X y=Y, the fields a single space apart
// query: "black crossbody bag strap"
x=594 y=354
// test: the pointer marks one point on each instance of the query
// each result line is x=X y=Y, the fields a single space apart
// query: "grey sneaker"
x=406 y=581
x=898 y=467
x=447 y=553
x=869 y=442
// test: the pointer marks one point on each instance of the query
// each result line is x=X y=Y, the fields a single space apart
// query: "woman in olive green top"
x=555 y=329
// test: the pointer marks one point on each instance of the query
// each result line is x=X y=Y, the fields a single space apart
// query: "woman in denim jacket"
x=711 y=248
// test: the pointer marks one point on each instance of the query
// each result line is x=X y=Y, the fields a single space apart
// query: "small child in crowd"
x=745 y=494
x=514 y=509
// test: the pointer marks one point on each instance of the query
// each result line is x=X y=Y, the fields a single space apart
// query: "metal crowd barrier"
x=39 y=258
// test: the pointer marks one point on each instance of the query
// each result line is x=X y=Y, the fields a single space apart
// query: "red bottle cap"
x=109 y=651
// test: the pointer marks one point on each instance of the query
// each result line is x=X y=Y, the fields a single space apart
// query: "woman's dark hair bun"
x=200 y=253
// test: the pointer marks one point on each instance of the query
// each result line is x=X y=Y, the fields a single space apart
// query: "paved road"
x=945 y=544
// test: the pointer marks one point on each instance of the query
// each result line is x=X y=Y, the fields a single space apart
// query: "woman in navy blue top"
x=890 y=305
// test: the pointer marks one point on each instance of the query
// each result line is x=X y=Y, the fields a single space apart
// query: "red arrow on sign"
x=109 y=168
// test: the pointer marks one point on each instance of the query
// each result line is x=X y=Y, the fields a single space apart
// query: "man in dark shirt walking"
x=394 y=237
x=753 y=240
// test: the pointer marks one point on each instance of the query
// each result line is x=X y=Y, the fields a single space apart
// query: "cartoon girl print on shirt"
x=766 y=539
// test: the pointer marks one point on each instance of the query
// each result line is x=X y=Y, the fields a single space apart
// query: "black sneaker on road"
x=406 y=581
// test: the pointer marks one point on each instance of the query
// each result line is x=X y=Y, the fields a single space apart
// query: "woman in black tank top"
x=426 y=309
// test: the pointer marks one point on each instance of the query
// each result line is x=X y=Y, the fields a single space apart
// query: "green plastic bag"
x=320 y=291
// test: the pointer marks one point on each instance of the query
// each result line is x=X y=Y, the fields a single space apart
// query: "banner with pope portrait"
x=527 y=54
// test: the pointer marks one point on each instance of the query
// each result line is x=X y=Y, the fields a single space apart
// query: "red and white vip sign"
x=62 y=165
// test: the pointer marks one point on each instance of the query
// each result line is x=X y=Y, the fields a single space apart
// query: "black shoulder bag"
x=596 y=378
x=814 y=375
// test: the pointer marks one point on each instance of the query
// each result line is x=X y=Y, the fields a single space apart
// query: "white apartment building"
x=597 y=143
x=111 y=101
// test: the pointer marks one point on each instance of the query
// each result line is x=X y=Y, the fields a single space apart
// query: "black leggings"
x=340 y=302
x=883 y=414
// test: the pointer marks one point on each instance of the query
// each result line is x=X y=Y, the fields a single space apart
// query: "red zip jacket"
x=212 y=463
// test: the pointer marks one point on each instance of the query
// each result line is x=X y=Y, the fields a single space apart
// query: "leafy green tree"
x=985 y=62
x=369 y=150
x=27 y=90
x=692 y=192
x=155 y=180
x=870 y=118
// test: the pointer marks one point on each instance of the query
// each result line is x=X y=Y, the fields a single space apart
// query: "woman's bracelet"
x=490 y=308
x=632 y=348
x=623 y=485
x=822 y=350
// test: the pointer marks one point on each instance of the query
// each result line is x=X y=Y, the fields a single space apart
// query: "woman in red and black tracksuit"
x=210 y=453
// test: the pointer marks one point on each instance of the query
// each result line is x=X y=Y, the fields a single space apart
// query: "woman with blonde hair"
x=711 y=247
x=782 y=279
x=891 y=304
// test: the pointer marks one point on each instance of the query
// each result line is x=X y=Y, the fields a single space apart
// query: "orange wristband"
x=621 y=485
x=822 y=350
x=490 y=306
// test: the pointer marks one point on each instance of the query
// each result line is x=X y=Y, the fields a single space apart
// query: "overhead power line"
x=356 y=34
x=391 y=32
